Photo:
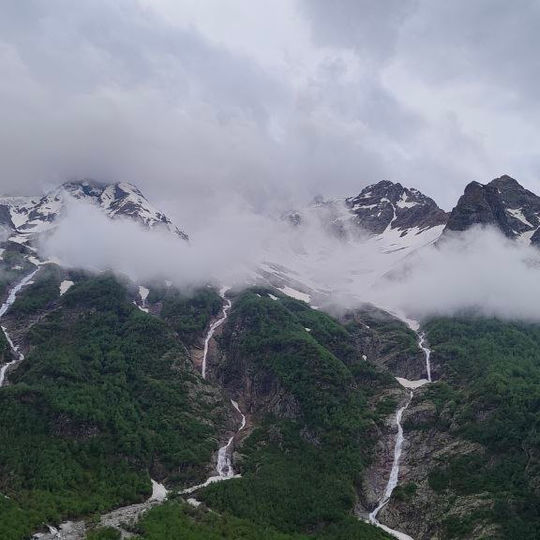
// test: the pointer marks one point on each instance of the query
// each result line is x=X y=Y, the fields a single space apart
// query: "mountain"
x=381 y=226
x=502 y=203
x=304 y=424
x=24 y=217
x=388 y=206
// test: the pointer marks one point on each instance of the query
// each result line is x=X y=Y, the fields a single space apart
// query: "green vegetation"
x=103 y=533
x=174 y=521
x=14 y=265
x=492 y=397
x=301 y=465
x=104 y=399
x=404 y=492
x=190 y=314
x=4 y=345
x=39 y=294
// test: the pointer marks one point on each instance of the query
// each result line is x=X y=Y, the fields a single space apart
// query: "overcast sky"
x=269 y=100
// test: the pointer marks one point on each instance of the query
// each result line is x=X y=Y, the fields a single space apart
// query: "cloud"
x=206 y=101
x=479 y=271
x=370 y=28
x=86 y=238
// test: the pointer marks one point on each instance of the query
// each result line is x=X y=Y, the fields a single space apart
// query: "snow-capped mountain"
x=386 y=224
x=24 y=217
x=396 y=217
x=367 y=236
x=388 y=206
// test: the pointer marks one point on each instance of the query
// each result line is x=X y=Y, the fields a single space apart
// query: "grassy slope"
x=299 y=474
x=492 y=397
x=101 y=400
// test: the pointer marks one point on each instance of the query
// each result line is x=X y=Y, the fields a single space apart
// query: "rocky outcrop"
x=416 y=508
x=479 y=205
x=387 y=342
x=260 y=389
x=385 y=207
x=503 y=203
x=27 y=216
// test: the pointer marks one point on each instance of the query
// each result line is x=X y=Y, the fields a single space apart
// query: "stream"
x=213 y=327
x=12 y=296
x=394 y=473
x=224 y=465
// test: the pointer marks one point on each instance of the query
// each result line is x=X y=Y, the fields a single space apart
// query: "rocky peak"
x=503 y=203
x=389 y=205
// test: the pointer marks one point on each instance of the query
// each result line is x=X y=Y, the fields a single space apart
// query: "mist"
x=85 y=238
x=479 y=271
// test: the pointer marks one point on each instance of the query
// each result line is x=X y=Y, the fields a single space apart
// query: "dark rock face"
x=387 y=342
x=479 y=205
x=5 y=217
x=376 y=209
x=503 y=203
x=386 y=204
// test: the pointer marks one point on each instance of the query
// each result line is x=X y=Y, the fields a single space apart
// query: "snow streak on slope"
x=12 y=296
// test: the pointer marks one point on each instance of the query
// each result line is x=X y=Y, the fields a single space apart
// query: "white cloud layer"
x=268 y=100
x=479 y=271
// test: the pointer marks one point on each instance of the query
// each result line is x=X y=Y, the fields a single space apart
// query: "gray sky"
x=269 y=101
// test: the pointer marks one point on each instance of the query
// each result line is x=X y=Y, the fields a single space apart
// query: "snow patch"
x=404 y=202
x=65 y=286
x=159 y=492
x=518 y=214
x=143 y=293
x=293 y=293
x=406 y=383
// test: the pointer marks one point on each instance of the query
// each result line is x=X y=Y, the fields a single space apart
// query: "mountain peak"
x=25 y=216
x=503 y=203
x=388 y=205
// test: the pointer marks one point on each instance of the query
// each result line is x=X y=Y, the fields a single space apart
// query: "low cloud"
x=478 y=271
x=86 y=238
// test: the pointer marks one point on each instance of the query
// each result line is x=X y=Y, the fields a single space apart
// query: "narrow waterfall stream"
x=427 y=352
x=394 y=473
x=213 y=327
x=224 y=465
x=10 y=300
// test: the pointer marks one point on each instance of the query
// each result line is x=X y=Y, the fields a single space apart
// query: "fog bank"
x=479 y=270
